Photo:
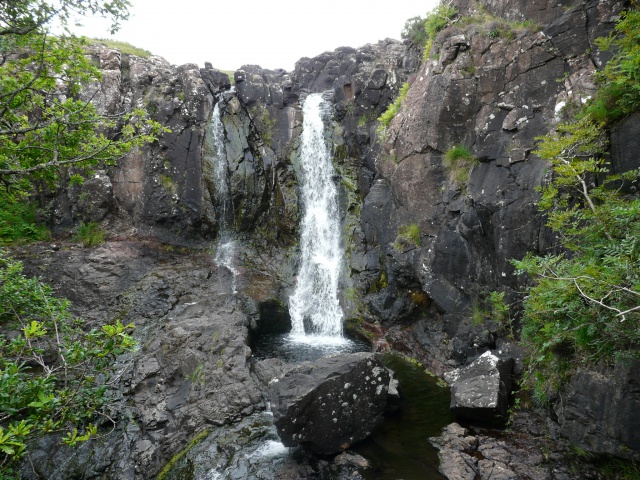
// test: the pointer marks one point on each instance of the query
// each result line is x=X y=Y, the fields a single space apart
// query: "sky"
x=270 y=33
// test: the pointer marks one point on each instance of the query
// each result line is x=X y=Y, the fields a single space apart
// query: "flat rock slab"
x=332 y=403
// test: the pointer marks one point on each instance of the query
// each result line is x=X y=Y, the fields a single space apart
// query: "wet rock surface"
x=598 y=410
x=494 y=95
x=331 y=403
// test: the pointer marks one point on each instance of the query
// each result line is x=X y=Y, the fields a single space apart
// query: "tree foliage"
x=50 y=131
x=619 y=81
x=585 y=305
x=53 y=371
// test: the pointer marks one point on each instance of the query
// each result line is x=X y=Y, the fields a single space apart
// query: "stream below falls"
x=400 y=448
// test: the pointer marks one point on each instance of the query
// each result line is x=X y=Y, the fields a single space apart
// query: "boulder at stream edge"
x=480 y=391
x=328 y=405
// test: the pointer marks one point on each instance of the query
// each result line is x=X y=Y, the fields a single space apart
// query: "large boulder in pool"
x=332 y=403
x=480 y=391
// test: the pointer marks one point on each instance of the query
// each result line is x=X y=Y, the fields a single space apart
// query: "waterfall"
x=220 y=169
x=225 y=252
x=314 y=306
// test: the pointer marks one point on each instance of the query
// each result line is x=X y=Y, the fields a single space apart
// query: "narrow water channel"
x=400 y=448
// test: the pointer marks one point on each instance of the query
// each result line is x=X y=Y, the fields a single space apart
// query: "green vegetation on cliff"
x=458 y=162
x=619 y=82
x=50 y=132
x=124 y=47
x=392 y=110
x=584 y=308
x=421 y=32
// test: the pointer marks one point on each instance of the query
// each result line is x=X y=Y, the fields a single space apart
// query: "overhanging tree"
x=46 y=128
x=54 y=370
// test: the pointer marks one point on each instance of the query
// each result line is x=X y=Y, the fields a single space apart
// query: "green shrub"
x=494 y=309
x=52 y=369
x=619 y=82
x=408 y=234
x=584 y=307
x=415 y=32
x=392 y=110
x=379 y=283
x=458 y=162
x=90 y=234
x=18 y=222
x=497 y=27
x=436 y=21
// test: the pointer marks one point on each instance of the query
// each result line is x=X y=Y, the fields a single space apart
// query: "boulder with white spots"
x=330 y=404
x=480 y=391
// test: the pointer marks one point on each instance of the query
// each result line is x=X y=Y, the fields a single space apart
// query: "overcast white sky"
x=269 y=33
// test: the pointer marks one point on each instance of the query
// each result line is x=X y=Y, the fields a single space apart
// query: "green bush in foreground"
x=53 y=373
x=18 y=222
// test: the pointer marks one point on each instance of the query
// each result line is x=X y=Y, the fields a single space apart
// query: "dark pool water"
x=400 y=448
x=295 y=350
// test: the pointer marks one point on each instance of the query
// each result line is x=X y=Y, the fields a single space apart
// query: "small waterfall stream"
x=225 y=251
x=315 y=312
x=400 y=447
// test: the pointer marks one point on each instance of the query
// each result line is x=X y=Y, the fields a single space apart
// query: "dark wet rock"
x=457 y=465
x=274 y=317
x=466 y=455
x=481 y=390
x=95 y=200
x=495 y=96
x=598 y=410
x=332 y=403
x=192 y=370
x=625 y=143
x=216 y=81
x=247 y=449
x=270 y=369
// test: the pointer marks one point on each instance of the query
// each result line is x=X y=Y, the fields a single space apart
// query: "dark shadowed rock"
x=332 y=403
x=190 y=374
x=480 y=391
x=95 y=200
x=215 y=80
x=599 y=411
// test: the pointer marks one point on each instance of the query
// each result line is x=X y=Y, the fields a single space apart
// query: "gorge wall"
x=492 y=93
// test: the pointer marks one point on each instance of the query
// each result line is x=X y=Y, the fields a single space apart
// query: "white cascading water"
x=315 y=312
x=225 y=252
x=220 y=169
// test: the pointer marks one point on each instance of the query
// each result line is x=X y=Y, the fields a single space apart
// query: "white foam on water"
x=271 y=449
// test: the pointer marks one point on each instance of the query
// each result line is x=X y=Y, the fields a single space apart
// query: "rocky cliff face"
x=493 y=93
x=492 y=85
